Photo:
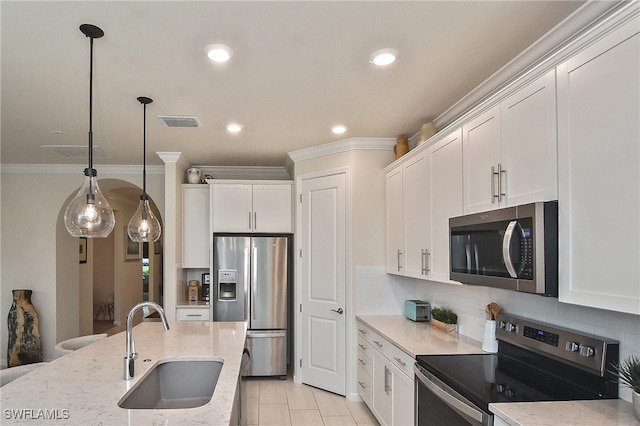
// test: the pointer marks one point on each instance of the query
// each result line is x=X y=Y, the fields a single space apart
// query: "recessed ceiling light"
x=233 y=127
x=339 y=129
x=218 y=52
x=383 y=57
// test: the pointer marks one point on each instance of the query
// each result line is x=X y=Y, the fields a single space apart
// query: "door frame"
x=350 y=318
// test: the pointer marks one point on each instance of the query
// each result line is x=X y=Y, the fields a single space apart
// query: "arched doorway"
x=112 y=280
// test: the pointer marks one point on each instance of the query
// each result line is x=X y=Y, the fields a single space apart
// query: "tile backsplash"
x=379 y=293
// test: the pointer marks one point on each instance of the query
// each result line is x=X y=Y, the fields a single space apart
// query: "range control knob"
x=572 y=346
x=511 y=327
x=586 y=351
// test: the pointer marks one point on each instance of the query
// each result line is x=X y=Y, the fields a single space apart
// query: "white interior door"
x=323 y=283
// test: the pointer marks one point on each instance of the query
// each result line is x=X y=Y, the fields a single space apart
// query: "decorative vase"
x=24 y=345
x=402 y=146
x=635 y=397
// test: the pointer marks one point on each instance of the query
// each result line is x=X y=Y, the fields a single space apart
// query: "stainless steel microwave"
x=514 y=248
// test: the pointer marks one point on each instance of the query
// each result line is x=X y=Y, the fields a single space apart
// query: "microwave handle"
x=506 y=245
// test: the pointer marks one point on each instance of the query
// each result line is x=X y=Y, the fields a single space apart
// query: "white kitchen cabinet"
x=385 y=378
x=407 y=227
x=195 y=226
x=510 y=150
x=481 y=147
x=416 y=224
x=445 y=200
x=252 y=207
x=394 y=221
x=599 y=173
x=202 y=313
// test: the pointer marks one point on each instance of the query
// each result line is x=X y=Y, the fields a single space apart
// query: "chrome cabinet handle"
x=340 y=311
x=425 y=268
x=399 y=254
x=501 y=172
x=363 y=347
x=378 y=343
x=362 y=362
x=255 y=220
x=493 y=185
x=401 y=362
x=386 y=381
x=362 y=331
x=362 y=385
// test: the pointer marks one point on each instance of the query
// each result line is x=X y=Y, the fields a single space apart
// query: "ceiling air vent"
x=76 y=151
x=179 y=121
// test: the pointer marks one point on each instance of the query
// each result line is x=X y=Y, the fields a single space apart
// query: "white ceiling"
x=299 y=68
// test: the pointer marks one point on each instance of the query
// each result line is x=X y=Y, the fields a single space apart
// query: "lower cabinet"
x=384 y=381
x=193 y=314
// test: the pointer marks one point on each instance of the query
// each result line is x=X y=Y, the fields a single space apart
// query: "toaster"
x=417 y=310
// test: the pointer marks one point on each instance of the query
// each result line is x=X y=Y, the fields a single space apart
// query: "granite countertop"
x=420 y=338
x=579 y=413
x=85 y=386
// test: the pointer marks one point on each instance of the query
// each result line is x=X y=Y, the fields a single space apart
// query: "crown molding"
x=244 y=172
x=566 y=32
x=351 y=144
x=78 y=169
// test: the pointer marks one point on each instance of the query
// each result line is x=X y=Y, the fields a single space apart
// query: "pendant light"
x=144 y=226
x=88 y=214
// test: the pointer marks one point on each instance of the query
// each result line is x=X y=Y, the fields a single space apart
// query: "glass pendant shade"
x=88 y=214
x=144 y=226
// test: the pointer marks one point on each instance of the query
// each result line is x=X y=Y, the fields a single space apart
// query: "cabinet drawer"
x=402 y=360
x=365 y=388
x=365 y=348
x=365 y=362
x=380 y=343
x=193 y=314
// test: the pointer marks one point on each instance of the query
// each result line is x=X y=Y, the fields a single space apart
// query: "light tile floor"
x=269 y=401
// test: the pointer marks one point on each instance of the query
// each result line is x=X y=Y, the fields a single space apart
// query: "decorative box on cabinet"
x=599 y=177
x=195 y=226
x=510 y=150
x=252 y=207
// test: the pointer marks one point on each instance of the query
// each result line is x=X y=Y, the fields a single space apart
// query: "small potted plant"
x=444 y=319
x=629 y=373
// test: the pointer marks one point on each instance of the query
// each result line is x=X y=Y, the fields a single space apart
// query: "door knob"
x=340 y=311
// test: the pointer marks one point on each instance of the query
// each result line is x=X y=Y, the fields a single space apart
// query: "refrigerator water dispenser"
x=227 y=283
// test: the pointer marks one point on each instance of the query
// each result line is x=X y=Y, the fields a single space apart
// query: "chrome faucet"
x=131 y=355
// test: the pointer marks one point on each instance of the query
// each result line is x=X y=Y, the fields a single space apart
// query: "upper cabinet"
x=510 y=150
x=599 y=157
x=252 y=207
x=195 y=226
x=445 y=200
x=394 y=221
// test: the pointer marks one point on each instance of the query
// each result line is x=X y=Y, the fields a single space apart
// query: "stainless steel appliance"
x=250 y=283
x=535 y=362
x=514 y=248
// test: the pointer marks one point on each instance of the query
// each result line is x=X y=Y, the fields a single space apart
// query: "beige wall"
x=38 y=253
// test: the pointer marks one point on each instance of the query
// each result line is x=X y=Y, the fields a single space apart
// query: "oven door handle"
x=453 y=402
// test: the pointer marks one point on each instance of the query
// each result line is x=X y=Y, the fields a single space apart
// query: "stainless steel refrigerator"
x=250 y=283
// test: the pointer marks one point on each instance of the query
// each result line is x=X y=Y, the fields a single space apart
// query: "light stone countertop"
x=420 y=338
x=85 y=386
x=608 y=412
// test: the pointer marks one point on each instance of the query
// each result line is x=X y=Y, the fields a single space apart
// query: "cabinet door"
x=231 y=206
x=272 y=208
x=195 y=226
x=381 y=389
x=599 y=153
x=529 y=143
x=445 y=199
x=394 y=221
x=416 y=224
x=481 y=145
x=402 y=398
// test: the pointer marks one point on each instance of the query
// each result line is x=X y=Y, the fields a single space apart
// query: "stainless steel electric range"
x=535 y=362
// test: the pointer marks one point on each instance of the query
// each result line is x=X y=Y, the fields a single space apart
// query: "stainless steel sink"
x=175 y=383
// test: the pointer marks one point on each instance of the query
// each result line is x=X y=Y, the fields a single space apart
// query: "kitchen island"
x=85 y=386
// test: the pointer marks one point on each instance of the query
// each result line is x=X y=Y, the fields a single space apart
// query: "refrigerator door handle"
x=268 y=334
x=254 y=279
